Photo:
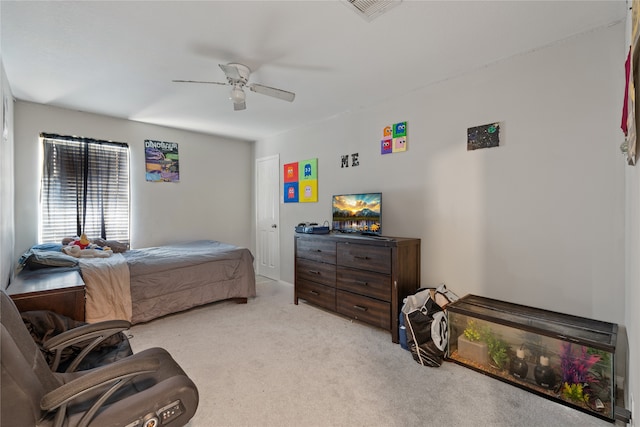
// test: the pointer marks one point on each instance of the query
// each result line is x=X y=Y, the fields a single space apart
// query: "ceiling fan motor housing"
x=240 y=77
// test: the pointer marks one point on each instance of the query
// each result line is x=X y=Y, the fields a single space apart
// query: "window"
x=85 y=189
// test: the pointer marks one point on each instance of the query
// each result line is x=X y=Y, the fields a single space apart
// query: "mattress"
x=166 y=279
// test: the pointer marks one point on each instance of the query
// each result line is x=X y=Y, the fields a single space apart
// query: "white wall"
x=211 y=201
x=632 y=279
x=6 y=180
x=632 y=287
x=537 y=221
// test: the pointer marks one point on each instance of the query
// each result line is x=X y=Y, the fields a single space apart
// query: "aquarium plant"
x=472 y=332
x=574 y=392
x=576 y=372
x=601 y=383
x=498 y=348
x=575 y=369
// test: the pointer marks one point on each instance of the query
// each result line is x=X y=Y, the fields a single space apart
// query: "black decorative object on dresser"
x=362 y=277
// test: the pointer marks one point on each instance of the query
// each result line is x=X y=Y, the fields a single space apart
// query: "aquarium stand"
x=564 y=358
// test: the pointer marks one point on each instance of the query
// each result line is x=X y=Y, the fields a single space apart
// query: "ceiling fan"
x=237 y=78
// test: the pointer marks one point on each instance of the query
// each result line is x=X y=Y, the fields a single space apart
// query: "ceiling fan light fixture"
x=237 y=94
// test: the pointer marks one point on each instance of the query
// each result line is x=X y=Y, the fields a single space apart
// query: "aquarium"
x=564 y=358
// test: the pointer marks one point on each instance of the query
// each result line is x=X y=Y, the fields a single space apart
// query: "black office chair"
x=147 y=389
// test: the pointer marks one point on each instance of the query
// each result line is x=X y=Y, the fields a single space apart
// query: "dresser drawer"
x=317 y=294
x=316 y=272
x=371 y=258
x=374 y=285
x=317 y=250
x=368 y=310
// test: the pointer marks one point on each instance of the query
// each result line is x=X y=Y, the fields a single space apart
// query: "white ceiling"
x=118 y=58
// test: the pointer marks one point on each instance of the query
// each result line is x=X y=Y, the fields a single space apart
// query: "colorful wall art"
x=161 y=159
x=484 y=136
x=291 y=182
x=394 y=138
x=301 y=181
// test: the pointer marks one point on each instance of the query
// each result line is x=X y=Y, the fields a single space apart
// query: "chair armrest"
x=106 y=375
x=97 y=331
x=85 y=332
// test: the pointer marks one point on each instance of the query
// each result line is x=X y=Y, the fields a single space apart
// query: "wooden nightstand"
x=60 y=290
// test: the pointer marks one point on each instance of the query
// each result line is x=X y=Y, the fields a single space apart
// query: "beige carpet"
x=272 y=363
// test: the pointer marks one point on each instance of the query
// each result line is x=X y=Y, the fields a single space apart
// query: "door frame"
x=276 y=189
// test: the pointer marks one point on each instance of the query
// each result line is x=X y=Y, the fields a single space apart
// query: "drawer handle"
x=359 y=307
x=314 y=293
x=314 y=272
x=318 y=250
x=363 y=283
x=361 y=257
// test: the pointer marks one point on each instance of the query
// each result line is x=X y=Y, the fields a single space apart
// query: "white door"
x=268 y=216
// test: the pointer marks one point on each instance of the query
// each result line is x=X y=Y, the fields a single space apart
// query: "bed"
x=143 y=284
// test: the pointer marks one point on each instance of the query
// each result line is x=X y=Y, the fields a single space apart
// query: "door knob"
x=274 y=226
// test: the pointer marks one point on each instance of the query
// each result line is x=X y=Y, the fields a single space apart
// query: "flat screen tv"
x=357 y=213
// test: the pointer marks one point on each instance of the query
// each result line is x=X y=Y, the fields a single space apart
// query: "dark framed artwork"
x=484 y=136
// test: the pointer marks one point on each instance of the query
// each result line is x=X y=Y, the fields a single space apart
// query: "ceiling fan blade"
x=271 y=91
x=237 y=106
x=231 y=71
x=198 y=81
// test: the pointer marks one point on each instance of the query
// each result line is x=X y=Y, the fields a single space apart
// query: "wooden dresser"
x=60 y=290
x=361 y=277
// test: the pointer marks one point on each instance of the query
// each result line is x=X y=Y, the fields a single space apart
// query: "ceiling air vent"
x=371 y=9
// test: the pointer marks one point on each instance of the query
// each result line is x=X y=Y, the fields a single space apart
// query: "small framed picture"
x=484 y=136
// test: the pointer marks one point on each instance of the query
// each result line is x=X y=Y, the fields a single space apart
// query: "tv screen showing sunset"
x=357 y=213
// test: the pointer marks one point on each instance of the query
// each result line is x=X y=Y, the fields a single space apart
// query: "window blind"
x=85 y=189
